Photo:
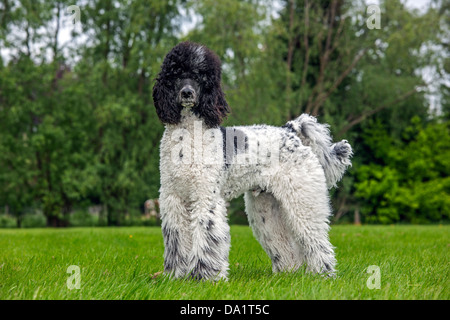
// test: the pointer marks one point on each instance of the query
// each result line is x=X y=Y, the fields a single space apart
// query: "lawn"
x=123 y=263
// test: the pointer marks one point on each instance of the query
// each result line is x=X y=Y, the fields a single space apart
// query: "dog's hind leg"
x=269 y=228
x=305 y=212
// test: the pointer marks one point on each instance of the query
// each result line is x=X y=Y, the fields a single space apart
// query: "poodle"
x=283 y=172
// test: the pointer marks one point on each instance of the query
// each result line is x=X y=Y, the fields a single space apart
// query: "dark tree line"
x=78 y=128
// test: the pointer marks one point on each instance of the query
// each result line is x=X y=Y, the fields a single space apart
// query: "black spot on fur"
x=224 y=145
x=172 y=256
x=283 y=141
x=213 y=240
x=293 y=144
x=276 y=258
x=342 y=150
x=203 y=270
x=327 y=268
x=235 y=142
x=288 y=126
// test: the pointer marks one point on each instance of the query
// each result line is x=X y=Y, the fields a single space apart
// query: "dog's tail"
x=334 y=157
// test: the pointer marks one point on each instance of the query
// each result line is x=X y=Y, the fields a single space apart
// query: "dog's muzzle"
x=188 y=96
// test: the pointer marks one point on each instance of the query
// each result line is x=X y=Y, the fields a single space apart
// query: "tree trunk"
x=56 y=222
x=357 y=220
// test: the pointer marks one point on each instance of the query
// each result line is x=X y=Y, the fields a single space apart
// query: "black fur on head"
x=197 y=64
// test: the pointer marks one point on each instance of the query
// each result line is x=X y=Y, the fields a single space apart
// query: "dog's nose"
x=187 y=93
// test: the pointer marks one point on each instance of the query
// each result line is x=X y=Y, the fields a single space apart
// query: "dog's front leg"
x=176 y=233
x=210 y=238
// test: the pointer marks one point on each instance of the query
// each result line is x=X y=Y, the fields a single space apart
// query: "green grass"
x=119 y=263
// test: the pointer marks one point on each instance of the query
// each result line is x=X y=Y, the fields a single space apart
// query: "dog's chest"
x=191 y=156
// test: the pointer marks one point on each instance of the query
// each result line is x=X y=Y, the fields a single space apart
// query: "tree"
x=131 y=39
x=87 y=132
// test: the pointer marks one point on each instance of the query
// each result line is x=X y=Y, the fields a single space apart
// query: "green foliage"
x=34 y=220
x=236 y=211
x=7 y=221
x=82 y=218
x=411 y=183
x=87 y=135
x=78 y=127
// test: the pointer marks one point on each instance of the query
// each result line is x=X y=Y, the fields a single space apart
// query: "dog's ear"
x=212 y=107
x=164 y=99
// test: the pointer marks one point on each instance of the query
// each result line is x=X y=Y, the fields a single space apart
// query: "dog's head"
x=190 y=77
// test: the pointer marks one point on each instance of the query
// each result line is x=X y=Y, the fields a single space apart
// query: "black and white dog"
x=285 y=173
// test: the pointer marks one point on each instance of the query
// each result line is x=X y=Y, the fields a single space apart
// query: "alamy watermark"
x=374 y=280
x=76 y=13
x=74 y=281
x=374 y=20
x=229 y=146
